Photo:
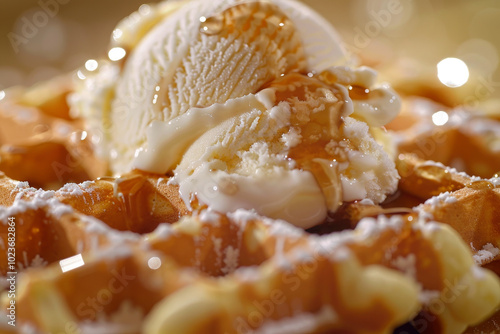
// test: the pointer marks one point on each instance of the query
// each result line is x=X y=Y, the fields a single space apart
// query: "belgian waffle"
x=152 y=266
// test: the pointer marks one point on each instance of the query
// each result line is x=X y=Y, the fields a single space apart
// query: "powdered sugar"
x=231 y=259
x=433 y=203
x=33 y=199
x=486 y=255
x=70 y=189
x=370 y=227
x=243 y=216
x=495 y=181
x=451 y=170
x=87 y=185
x=22 y=185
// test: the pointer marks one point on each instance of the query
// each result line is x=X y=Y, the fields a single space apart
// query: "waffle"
x=461 y=138
x=243 y=272
x=468 y=140
x=153 y=266
x=37 y=130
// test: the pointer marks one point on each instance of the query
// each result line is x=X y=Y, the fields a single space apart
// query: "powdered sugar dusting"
x=495 y=181
x=486 y=255
x=87 y=185
x=243 y=216
x=370 y=227
x=32 y=199
x=231 y=259
x=451 y=170
x=217 y=244
x=22 y=185
x=445 y=197
x=70 y=189
x=433 y=203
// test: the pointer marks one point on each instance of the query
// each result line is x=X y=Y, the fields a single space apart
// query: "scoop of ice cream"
x=290 y=151
x=243 y=103
x=185 y=54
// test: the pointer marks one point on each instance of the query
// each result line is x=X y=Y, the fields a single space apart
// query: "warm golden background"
x=411 y=40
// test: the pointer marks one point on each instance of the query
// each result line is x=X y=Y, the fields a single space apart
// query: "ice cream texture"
x=247 y=104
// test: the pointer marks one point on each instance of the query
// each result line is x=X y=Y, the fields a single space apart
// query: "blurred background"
x=403 y=39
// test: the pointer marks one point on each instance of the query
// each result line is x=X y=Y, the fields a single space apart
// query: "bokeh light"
x=91 y=65
x=440 y=118
x=116 y=54
x=154 y=263
x=453 y=72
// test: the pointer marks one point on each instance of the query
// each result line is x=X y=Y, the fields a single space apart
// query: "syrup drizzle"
x=317 y=152
x=242 y=16
x=436 y=173
x=131 y=194
x=481 y=185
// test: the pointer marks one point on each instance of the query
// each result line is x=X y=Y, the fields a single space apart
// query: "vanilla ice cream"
x=248 y=104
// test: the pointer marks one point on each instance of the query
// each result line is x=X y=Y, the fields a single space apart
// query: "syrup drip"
x=241 y=17
x=359 y=93
x=435 y=173
x=131 y=194
x=355 y=92
x=318 y=151
x=438 y=179
x=138 y=205
x=481 y=185
x=213 y=25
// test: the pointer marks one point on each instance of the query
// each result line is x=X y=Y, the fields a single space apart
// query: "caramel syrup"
x=435 y=173
x=481 y=185
x=316 y=112
x=241 y=17
x=132 y=196
x=356 y=92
